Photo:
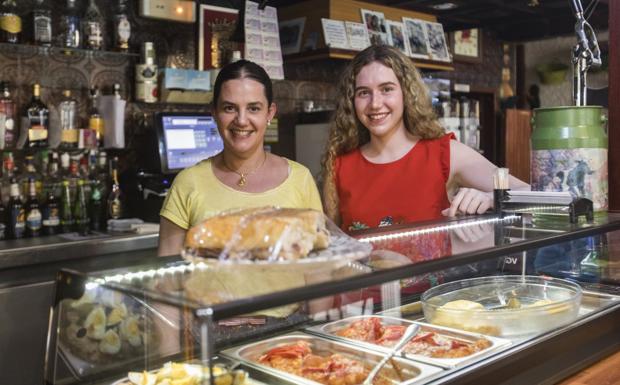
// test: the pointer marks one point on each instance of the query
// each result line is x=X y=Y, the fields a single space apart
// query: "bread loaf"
x=260 y=233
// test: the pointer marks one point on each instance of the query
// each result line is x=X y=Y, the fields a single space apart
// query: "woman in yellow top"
x=243 y=174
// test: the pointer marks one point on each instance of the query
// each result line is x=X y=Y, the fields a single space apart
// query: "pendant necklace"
x=243 y=175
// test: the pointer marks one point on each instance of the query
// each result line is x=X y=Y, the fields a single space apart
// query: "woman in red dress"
x=388 y=160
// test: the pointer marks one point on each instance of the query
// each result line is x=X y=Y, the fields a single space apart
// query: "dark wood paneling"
x=518 y=130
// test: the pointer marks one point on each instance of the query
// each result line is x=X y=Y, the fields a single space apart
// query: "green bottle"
x=66 y=215
x=80 y=211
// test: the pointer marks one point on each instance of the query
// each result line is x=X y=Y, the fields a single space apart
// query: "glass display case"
x=497 y=299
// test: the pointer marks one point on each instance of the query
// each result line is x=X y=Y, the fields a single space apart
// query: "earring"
x=268 y=121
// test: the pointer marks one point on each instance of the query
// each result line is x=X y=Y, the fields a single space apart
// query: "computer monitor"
x=185 y=139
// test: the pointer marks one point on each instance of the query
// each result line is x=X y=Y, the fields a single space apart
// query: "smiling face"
x=379 y=100
x=242 y=112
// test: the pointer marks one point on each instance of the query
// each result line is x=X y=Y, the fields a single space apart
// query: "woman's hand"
x=469 y=201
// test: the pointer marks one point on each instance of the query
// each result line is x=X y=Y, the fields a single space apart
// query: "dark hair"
x=242 y=69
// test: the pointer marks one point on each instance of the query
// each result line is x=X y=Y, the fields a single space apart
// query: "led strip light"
x=429 y=230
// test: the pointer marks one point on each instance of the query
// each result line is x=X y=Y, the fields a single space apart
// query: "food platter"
x=410 y=372
x=185 y=373
x=512 y=307
x=333 y=330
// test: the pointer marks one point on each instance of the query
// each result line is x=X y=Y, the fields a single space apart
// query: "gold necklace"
x=243 y=175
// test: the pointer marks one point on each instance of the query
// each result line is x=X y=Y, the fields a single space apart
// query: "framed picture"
x=415 y=30
x=376 y=26
x=335 y=34
x=397 y=36
x=291 y=32
x=218 y=22
x=357 y=35
x=437 y=42
x=467 y=45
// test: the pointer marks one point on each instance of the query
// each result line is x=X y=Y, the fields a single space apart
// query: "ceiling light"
x=444 y=6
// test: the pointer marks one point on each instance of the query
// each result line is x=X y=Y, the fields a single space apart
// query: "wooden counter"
x=604 y=372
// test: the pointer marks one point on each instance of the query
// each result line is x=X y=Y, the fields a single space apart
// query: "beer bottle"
x=115 y=206
x=66 y=216
x=96 y=207
x=51 y=213
x=33 y=214
x=17 y=214
x=80 y=211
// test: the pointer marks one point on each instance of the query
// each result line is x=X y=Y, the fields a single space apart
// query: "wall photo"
x=415 y=31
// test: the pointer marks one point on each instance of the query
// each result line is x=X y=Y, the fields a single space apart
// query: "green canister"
x=569 y=152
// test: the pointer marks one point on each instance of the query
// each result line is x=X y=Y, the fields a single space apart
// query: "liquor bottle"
x=42 y=23
x=95 y=208
x=51 y=214
x=122 y=27
x=36 y=119
x=70 y=34
x=93 y=27
x=7 y=174
x=66 y=215
x=80 y=210
x=3 y=220
x=115 y=205
x=7 y=117
x=68 y=110
x=52 y=180
x=102 y=173
x=33 y=214
x=30 y=173
x=95 y=119
x=74 y=175
x=17 y=214
x=10 y=22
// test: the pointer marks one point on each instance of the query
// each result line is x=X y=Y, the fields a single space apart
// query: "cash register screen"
x=185 y=140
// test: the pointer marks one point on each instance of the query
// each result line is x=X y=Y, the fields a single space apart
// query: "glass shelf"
x=28 y=49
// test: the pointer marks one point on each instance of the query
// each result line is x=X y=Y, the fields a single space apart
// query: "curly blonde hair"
x=347 y=133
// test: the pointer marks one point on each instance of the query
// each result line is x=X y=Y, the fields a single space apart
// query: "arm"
x=473 y=174
x=171 y=238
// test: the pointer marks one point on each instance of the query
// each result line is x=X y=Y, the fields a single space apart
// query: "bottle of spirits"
x=66 y=214
x=10 y=22
x=3 y=219
x=51 y=214
x=7 y=174
x=95 y=119
x=36 y=119
x=115 y=205
x=33 y=214
x=7 y=117
x=42 y=23
x=96 y=208
x=17 y=214
x=70 y=33
x=122 y=27
x=80 y=210
x=30 y=173
x=93 y=26
x=68 y=110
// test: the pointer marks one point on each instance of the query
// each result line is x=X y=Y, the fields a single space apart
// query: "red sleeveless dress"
x=412 y=188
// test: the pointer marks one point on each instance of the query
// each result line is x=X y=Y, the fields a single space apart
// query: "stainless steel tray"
x=412 y=372
x=331 y=328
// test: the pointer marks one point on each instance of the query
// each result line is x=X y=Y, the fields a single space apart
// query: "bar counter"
x=63 y=247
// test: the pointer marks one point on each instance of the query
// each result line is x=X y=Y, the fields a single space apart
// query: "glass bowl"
x=507 y=306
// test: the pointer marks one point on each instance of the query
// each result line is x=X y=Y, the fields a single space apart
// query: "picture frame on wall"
x=291 y=32
x=213 y=19
x=466 y=45
x=437 y=45
x=415 y=30
x=397 y=36
x=357 y=35
x=376 y=26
